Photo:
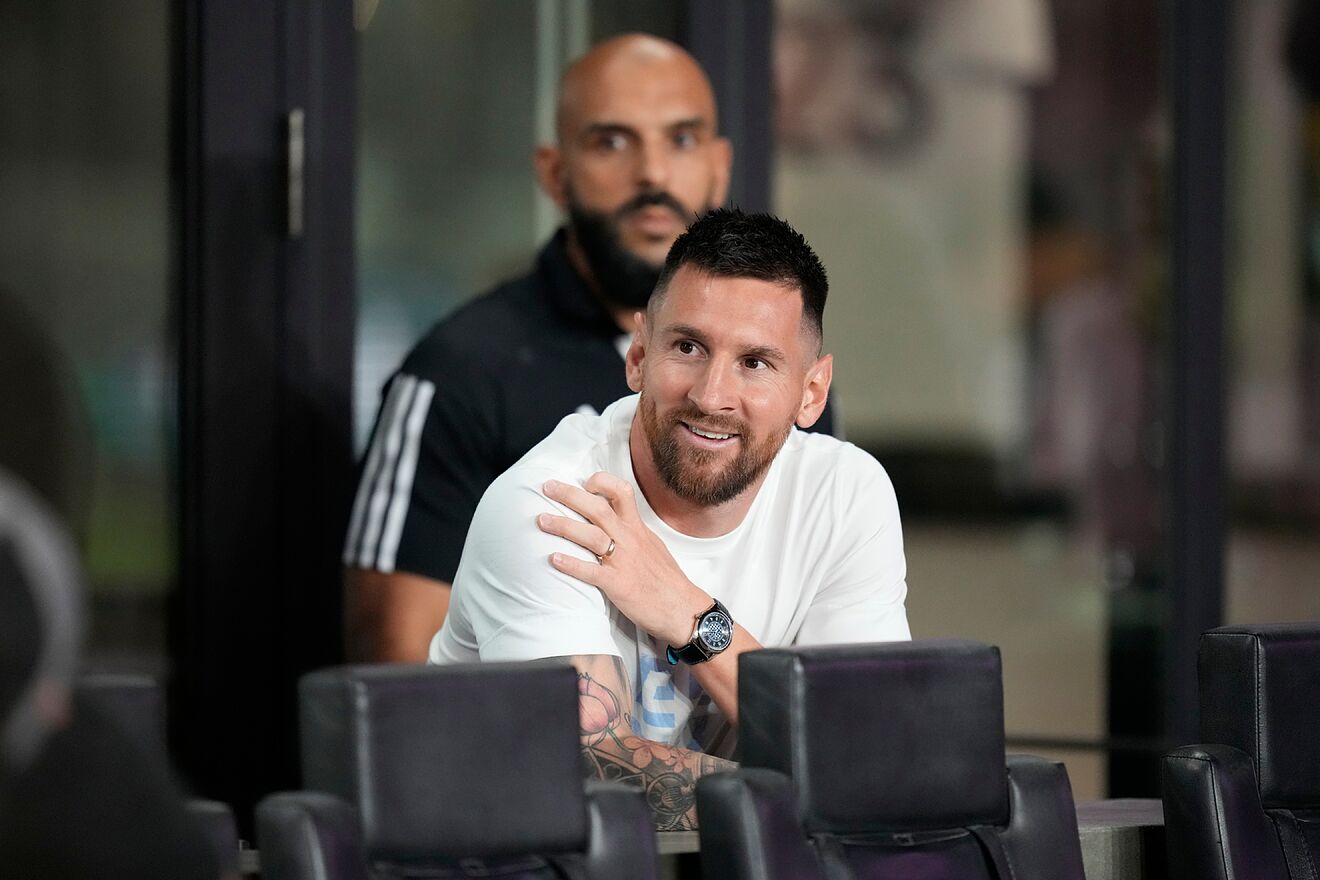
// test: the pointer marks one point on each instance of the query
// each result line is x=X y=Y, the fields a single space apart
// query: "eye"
x=755 y=363
x=611 y=142
x=686 y=346
x=685 y=140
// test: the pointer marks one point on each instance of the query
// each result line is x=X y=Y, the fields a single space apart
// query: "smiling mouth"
x=709 y=435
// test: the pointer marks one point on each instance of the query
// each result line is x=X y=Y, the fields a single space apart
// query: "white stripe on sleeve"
x=403 y=478
x=380 y=493
x=380 y=460
x=353 y=541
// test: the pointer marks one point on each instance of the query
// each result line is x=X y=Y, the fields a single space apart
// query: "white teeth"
x=708 y=434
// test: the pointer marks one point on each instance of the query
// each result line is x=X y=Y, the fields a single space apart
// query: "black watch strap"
x=690 y=654
x=694 y=651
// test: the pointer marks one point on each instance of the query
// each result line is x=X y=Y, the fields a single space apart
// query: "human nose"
x=713 y=391
x=653 y=164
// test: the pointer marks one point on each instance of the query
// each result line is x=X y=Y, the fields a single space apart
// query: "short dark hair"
x=727 y=243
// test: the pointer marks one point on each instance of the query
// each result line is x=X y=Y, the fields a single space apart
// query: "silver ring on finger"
x=609 y=551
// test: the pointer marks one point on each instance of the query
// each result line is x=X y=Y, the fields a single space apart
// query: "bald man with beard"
x=637 y=157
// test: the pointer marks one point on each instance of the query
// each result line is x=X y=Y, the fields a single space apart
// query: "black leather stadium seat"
x=135 y=702
x=883 y=761
x=1246 y=804
x=449 y=772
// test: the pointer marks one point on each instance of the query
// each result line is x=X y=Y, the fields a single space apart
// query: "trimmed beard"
x=682 y=470
x=625 y=279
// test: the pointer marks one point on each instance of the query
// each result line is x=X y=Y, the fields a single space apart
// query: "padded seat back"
x=1260 y=693
x=1246 y=803
x=447 y=764
x=883 y=761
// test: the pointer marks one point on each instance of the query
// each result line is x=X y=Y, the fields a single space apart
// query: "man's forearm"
x=719 y=675
x=667 y=774
x=391 y=617
x=611 y=751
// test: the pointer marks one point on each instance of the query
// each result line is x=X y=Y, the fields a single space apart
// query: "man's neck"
x=687 y=517
x=578 y=260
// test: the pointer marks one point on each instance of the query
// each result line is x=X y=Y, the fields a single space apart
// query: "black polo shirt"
x=485 y=385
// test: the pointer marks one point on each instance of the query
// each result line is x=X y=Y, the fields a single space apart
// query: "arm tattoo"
x=611 y=751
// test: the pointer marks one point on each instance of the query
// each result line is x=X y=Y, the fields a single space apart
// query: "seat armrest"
x=621 y=841
x=307 y=835
x=217 y=823
x=1041 y=838
x=750 y=828
x=1214 y=824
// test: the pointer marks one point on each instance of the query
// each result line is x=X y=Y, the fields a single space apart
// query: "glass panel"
x=1274 y=314
x=661 y=19
x=978 y=180
x=86 y=366
x=446 y=199
x=453 y=101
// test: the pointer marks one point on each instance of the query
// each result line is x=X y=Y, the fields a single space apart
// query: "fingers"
x=616 y=490
x=589 y=537
x=588 y=572
x=591 y=506
x=608 y=485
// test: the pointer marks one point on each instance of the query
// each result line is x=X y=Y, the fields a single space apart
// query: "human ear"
x=815 y=391
x=636 y=353
x=548 y=162
x=722 y=159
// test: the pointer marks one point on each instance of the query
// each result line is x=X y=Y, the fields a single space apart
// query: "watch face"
x=716 y=631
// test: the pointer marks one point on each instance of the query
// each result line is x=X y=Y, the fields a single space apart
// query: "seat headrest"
x=900 y=736
x=1260 y=692
x=449 y=761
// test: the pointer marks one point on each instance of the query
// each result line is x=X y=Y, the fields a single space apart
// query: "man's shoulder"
x=822 y=452
x=573 y=451
x=846 y=473
x=505 y=586
x=579 y=446
x=485 y=330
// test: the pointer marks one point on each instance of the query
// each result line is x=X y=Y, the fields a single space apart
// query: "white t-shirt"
x=818 y=559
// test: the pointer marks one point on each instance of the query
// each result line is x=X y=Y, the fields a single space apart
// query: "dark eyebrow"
x=593 y=128
x=697 y=122
x=765 y=352
x=685 y=330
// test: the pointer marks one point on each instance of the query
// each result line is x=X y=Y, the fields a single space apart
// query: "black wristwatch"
x=712 y=634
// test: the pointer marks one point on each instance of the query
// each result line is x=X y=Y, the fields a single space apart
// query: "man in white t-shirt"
x=611 y=541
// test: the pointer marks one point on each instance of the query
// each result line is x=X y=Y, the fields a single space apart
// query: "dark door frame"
x=1198 y=40
x=734 y=41
x=265 y=324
